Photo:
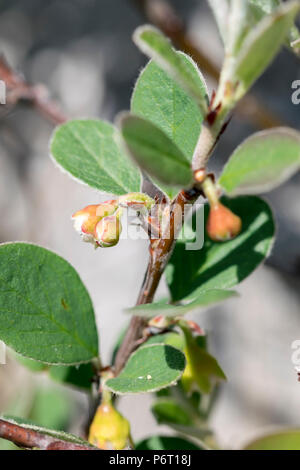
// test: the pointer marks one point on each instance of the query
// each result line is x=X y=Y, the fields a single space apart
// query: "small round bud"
x=107 y=231
x=222 y=224
x=200 y=175
x=109 y=429
x=85 y=220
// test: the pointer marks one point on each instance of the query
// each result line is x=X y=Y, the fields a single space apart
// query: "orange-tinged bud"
x=107 y=208
x=108 y=230
x=85 y=220
x=109 y=429
x=161 y=322
x=222 y=224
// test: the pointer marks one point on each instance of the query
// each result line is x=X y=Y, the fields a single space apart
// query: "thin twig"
x=30 y=439
x=160 y=252
x=36 y=95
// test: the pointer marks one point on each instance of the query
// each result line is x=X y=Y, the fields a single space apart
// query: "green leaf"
x=154 y=152
x=262 y=162
x=288 y=439
x=89 y=150
x=166 y=443
x=148 y=369
x=171 y=338
x=202 y=300
x=267 y=6
x=46 y=313
x=262 y=44
x=156 y=46
x=158 y=98
x=79 y=376
x=167 y=410
x=60 y=435
x=223 y=265
x=202 y=370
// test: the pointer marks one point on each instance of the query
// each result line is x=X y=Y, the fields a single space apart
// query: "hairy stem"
x=31 y=439
x=160 y=252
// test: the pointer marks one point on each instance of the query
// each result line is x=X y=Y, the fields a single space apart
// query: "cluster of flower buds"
x=222 y=223
x=109 y=429
x=99 y=223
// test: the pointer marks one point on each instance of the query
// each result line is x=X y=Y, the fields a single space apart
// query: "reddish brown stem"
x=37 y=95
x=30 y=439
x=160 y=252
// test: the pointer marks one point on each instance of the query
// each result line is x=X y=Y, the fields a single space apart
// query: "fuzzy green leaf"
x=262 y=44
x=149 y=369
x=157 y=47
x=262 y=162
x=46 y=313
x=158 y=98
x=90 y=151
x=201 y=300
x=154 y=152
x=267 y=6
x=223 y=265
x=171 y=338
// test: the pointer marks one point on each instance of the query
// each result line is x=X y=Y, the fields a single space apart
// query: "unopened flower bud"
x=136 y=201
x=161 y=322
x=108 y=230
x=222 y=224
x=109 y=429
x=85 y=220
x=195 y=328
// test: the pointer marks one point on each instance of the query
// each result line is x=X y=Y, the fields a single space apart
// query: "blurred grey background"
x=82 y=51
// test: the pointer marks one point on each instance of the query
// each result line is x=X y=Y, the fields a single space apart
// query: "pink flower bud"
x=161 y=322
x=108 y=230
x=222 y=224
x=85 y=220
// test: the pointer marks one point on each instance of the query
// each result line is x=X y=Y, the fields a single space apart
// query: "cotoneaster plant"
x=154 y=160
